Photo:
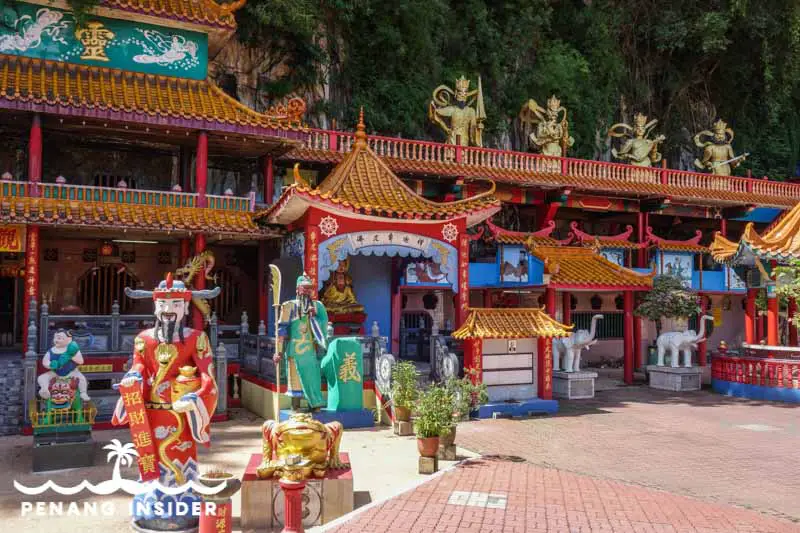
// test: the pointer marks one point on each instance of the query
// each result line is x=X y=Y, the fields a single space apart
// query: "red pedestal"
x=347 y=323
x=628 y=336
x=293 y=505
x=750 y=317
x=218 y=522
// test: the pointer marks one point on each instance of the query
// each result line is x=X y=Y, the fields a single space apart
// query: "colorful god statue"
x=338 y=296
x=465 y=126
x=302 y=331
x=718 y=157
x=551 y=135
x=59 y=384
x=173 y=376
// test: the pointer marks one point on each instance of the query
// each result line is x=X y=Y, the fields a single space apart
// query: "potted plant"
x=466 y=397
x=434 y=419
x=404 y=389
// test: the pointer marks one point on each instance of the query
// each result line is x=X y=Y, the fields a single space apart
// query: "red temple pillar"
x=702 y=348
x=463 y=281
x=628 y=336
x=772 y=318
x=397 y=307
x=760 y=327
x=310 y=265
x=473 y=359
x=638 y=362
x=566 y=308
x=32 y=239
x=263 y=294
x=641 y=257
x=791 y=312
x=185 y=251
x=750 y=317
x=544 y=348
x=201 y=170
x=723 y=227
x=267 y=173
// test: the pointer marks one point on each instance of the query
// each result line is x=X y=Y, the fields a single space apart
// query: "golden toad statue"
x=466 y=122
x=338 y=296
x=551 y=136
x=300 y=448
x=638 y=149
x=718 y=157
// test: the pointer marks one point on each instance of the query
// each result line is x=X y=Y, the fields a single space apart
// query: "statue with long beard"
x=173 y=373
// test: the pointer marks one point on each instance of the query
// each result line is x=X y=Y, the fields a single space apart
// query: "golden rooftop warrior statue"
x=466 y=122
x=551 y=136
x=638 y=149
x=718 y=157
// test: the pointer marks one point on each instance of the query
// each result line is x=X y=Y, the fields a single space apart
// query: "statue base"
x=324 y=499
x=168 y=527
x=675 y=379
x=574 y=385
x=517 y=408
x=351 y=419
x=347 y=323
x=58 y=451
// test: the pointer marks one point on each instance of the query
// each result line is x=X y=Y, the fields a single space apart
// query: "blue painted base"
x=755 y=392
x=521 y=408
x=357 y=418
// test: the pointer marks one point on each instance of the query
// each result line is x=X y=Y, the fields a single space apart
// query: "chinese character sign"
x=343 y=369
x=141 y=433
x=12 y=239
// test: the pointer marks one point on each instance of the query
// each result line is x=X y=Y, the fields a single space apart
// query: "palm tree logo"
x=124 y=454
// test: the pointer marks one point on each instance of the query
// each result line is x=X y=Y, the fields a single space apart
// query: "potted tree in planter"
x=668 y=299
x=404 y=389
x=466 y=397
x=434 y=419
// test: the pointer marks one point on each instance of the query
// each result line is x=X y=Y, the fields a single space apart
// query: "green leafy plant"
x=434 y=413
x=404 y=384
x=466 y=395
x=668 y=299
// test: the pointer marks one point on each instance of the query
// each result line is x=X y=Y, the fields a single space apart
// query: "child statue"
x=63 y=360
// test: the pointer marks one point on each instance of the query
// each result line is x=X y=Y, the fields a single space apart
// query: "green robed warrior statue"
x=302 y=331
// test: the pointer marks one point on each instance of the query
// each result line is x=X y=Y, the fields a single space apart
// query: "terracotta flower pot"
x=402 y=414
x=428 y=447
x=450 y=438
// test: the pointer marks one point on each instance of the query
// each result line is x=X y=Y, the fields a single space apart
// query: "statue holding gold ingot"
x=465 y=126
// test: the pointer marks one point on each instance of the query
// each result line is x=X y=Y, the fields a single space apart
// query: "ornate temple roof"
x=541 y=237
x=363 y=184
x=689 y=245
x=621 y=240
x=57 y=212
x=517 y=323
x=780 y=242
x=203 y=12
x=583 y=267
x=96 y=92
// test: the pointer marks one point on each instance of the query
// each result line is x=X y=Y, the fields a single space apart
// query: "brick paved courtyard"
x=699 y=444
x=495 y=496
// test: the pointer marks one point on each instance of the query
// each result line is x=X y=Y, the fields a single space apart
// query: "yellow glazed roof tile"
x=205 y=12
x=517 y=323
x=578 y=266
x=97 y=89
x=780 y=242
x=59 y=212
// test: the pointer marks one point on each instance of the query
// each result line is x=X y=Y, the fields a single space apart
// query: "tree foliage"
x=683 y=62
x=668 y=299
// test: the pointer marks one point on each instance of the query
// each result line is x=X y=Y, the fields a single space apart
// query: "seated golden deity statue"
x=338 y=296
x=718 y=157
x=466 y=122
x=551 y=136
x=638 y=149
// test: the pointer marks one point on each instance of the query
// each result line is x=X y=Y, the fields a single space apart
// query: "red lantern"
x=107 y=249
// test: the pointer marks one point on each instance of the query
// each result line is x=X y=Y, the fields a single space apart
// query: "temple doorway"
x=415 y=335
x=8 y=314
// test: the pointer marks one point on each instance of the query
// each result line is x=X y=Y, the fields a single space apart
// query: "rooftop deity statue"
x=718 y=157
x=551 y=136
x=465 y=121
x=338 y=296
x=638 y=149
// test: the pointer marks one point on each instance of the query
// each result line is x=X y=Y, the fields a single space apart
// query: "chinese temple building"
x=122 y=160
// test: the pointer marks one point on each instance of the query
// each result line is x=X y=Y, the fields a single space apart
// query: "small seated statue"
x=338 y=296
x=63 y=360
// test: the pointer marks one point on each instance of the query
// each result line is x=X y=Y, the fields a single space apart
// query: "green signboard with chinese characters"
x=47 y=33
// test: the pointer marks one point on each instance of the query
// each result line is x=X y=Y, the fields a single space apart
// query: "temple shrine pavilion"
x=123 y=159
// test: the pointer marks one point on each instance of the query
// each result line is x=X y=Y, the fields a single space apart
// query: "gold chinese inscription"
x=349 y=369
x=94 y=38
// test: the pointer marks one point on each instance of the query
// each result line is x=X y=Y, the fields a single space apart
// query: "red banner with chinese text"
x=141 y=433
x=12 y=239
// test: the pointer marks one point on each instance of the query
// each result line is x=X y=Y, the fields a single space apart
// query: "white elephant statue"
x=677 y=342
x=570 y=347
